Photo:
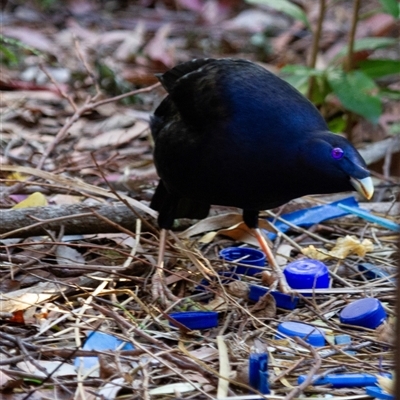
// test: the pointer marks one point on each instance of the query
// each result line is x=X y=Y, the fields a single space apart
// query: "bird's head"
x=335 y=160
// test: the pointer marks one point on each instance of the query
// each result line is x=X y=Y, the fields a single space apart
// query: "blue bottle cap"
x=246 y=256
x=368 y=313
x=309 y=333
x=378 y=393
x=285 y=301
x=307 y=274
x=196 y=319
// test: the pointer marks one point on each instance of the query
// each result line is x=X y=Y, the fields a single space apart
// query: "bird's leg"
x=283 y=286
x=159 y=290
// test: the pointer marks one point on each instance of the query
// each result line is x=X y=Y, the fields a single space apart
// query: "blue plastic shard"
x=99 y=341
x=378 y=393
x=283 y=300
x=384 y=222
x=371 y=271
x=314 y=215
x=258 y=372
x=344 y=339
x=195 y=319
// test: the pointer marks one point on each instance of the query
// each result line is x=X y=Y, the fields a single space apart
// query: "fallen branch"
x=76 y=219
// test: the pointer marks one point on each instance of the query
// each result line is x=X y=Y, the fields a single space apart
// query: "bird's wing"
x=196 y=89
x=170 y=78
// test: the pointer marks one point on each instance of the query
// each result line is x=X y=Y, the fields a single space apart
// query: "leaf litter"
x=59 y=289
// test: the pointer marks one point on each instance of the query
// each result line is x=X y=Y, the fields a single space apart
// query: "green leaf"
x=378 y=68
x=391 y=7
x=369 y=43
x=301 y=70
x=298 y=76
x=389 y=94
x=337 y=124
x=286 y=7
x=357 y=92
x=8 y=54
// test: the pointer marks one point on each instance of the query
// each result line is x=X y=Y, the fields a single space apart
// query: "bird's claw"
x=160 y=292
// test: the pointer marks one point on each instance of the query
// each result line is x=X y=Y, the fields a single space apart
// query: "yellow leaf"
x=36 y=199
x=16 y=176
x=345 y=246
x=316 y=254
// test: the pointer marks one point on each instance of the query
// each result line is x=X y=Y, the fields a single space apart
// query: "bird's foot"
x=160 y=292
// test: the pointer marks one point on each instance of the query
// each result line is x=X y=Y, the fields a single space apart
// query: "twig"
x=312 y=372
x=352 y=34
x=349 y=64
x=88 y=69
x=315 y=45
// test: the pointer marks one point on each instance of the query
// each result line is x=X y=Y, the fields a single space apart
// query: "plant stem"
x=349 y=64
x=352 y=34
x=315 y=45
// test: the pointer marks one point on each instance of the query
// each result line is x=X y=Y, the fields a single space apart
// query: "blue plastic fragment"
x=285 y=301
x=371 y=271
x=196 y=319
x=244 y=255
x=99 y=341
x=311 y=216
x=343 y=380
x=344 y=339
x=378 y=393
x=258 y=372
x=386 y=223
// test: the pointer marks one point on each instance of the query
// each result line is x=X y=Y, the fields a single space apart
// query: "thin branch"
x=315 y=45
x=352 y=34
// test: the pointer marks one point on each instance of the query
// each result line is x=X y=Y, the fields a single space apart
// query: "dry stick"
x=315 y=45
x=349 y=61
x=88 y=69
x=310 y=375
x=145 y=222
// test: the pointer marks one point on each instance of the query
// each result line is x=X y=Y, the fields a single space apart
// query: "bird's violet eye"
x=337 y=153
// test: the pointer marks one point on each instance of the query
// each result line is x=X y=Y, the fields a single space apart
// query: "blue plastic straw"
x=386 y=223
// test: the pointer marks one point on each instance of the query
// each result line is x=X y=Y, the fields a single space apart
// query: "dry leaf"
x=344 y=247
x=265 y=307
x=238 y=289
x=116 y=137
x=386 y=333
x=387 y=384
x=53 y=368
x=218 y=304
x=36 y=199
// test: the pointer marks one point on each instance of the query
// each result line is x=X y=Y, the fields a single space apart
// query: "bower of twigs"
x=83 y=262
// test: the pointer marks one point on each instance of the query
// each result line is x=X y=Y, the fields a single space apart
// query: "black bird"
x=232 y=133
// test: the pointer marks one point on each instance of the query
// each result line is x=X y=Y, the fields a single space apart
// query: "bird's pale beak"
x=363 y=186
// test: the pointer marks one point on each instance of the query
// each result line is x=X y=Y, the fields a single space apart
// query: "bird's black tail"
x=170 y=207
